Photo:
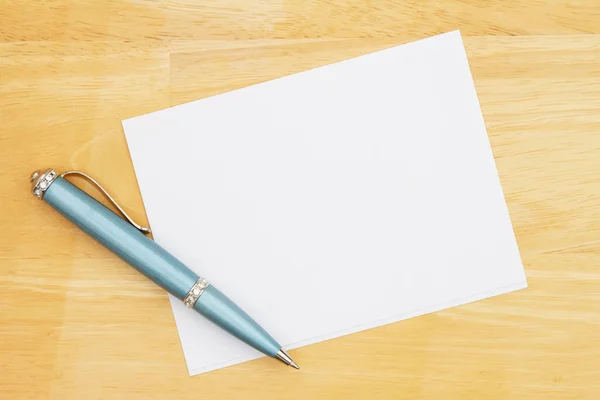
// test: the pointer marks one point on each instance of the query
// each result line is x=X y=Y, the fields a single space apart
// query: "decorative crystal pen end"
x=42 y=182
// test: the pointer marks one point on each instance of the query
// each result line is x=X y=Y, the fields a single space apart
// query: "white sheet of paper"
x=330 y=201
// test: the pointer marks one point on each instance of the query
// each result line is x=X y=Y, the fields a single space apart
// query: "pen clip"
x=143 y=229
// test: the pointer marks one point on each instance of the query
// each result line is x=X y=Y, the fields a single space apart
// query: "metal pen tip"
x=286 y=359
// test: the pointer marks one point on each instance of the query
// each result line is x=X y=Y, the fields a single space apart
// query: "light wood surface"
x=77 y=323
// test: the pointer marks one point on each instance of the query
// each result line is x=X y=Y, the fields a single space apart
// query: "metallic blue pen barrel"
x=150 y=259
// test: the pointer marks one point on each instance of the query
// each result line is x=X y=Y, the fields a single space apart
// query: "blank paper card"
x=330 y=201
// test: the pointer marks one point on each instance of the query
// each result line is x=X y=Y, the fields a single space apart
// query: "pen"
x=128 y=240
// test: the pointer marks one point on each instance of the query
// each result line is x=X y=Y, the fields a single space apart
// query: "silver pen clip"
x=46 y=178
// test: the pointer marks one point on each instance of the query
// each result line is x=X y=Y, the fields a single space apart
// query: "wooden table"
x=77 y=323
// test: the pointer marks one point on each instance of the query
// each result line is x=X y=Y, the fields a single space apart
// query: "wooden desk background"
x=76 y=323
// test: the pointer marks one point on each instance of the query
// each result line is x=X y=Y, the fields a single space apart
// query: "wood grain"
x=75 y=322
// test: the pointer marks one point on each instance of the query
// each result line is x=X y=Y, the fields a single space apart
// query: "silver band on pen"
x=195 y=292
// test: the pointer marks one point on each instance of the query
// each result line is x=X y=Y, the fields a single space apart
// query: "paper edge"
x=187 y=103
x=375 y=324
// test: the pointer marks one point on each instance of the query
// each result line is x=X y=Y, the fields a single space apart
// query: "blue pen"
x=128 y=240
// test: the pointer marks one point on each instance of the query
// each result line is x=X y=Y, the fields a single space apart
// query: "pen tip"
x=286 y=359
